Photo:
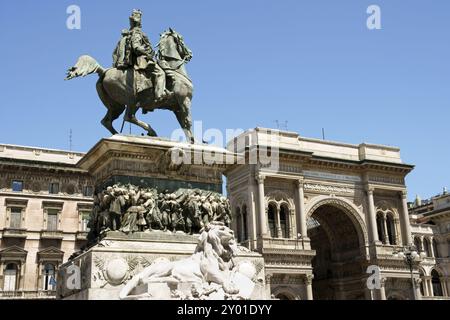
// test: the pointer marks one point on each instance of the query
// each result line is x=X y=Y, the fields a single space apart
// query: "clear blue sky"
x=313 y=63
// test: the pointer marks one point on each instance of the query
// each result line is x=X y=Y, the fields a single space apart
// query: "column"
x=443 y=286
x=301 y=214
x=383 y=289
x=262 y=207
x=421 y=245
x=252 y=213
x=430 y=287
x=373 y=233
x=268 y=286
x=426 y=290
x=277 y=222
x=386 y=235
x=417 y=282
x=431 y=247
x=406 y=226
x=308 y=283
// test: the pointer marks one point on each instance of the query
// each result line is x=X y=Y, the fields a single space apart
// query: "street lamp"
x=411 y=257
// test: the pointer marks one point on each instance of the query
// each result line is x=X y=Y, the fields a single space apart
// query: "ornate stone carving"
x=327 y=188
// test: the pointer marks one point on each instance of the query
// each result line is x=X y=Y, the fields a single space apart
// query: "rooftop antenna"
x=282 y=125
x=323 y=133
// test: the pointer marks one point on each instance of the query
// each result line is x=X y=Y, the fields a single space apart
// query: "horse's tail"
x=85 y=65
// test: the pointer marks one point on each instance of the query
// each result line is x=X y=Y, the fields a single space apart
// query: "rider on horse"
x=135 y=50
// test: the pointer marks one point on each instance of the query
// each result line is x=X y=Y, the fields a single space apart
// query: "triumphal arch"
x=321 y=213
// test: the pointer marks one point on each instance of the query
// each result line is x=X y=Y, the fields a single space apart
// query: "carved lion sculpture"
x=210 y=263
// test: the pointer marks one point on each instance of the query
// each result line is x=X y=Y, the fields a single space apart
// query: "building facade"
x=45 y=202
x=325 y=214
x=321 y=217
x=430 y=222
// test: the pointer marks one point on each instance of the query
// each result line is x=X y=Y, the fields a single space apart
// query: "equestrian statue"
x=142 y=78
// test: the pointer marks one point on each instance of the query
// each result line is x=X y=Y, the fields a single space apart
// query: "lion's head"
x=220 y=238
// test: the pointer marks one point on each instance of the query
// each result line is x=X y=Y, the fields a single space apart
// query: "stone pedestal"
x=105 y=268
x=102 y=271
x=156 y=163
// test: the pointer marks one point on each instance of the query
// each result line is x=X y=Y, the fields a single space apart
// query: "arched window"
x=426 y=247
x=380 y=227
x=391 y=229
x=436 y=282
x=435 y=249
x=271 y=219
x=10 y=277
x=422 y=283
x=244 y=222
x=238 y=224
x=49 y=277
x=284 y=221
x=417 y=244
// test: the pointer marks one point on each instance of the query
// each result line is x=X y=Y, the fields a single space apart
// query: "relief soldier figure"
x=129 y=208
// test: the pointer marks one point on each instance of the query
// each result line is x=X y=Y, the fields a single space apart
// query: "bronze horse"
x=115 y=87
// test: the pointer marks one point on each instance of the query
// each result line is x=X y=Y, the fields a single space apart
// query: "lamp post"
x=411 y=257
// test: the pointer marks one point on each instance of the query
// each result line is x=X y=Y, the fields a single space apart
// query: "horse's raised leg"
x=114 y=109
x=130 y=116
x=183 y=114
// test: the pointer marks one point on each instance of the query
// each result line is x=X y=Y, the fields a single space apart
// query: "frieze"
x=332 y=176
x=327 y=188
x=387 y=179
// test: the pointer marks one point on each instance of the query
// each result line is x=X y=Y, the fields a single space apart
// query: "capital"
x=403 y=194
x=308 y=279
x=417 y=281
x=268 y=277
x=260 y=178
x=300 y=182
x=383 y=281
x=370 y=190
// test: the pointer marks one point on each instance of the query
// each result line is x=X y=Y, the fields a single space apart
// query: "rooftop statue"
x=141 y=78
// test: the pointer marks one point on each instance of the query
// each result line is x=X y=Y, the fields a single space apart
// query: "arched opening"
x=271 y=219
x=238 y=224
x=380 y=227
x=282 y=296
x=422 y=283
x=49 y=277
x=284 y=221
x=426 y=247
x=417 y=244
x=10 y=277
x=338 y=266
x=244 y=223
x=391 y=229
x=436 y=282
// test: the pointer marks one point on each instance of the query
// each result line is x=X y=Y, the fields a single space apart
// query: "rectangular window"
x=88 y=191
x=53 y=188
x=17 y=186
x=52 y=220
x=15 y=218
x=85 y=217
